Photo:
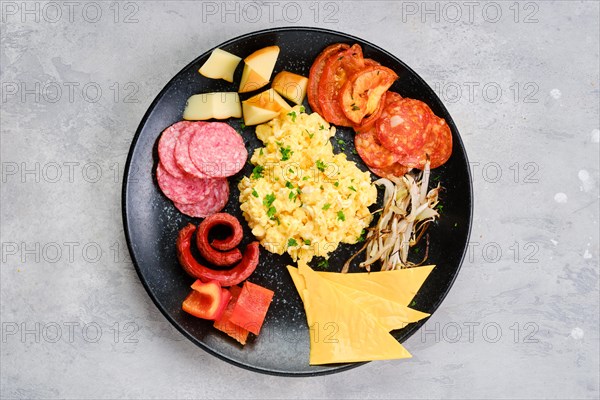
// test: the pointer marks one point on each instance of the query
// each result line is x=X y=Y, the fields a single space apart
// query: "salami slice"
x=213 y=203
x=217 y=150
x=182 y=153
x=402 y=129
x=371 y=151
x=395 y=170
x=166 y=148
x=189 y=189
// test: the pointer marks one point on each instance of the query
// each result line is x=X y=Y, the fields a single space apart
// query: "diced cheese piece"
x=226 y=105
x=255 y=115
x=398 y=285
x=220 y=65
x=291 y=86
x=218 y=105
x=251 y=80
x=263 y=61
x=340 y=330
x=269 y=100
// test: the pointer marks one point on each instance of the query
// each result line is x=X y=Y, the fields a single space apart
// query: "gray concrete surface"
x=521 y=81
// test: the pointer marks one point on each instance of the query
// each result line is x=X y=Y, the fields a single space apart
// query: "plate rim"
x=126 y=229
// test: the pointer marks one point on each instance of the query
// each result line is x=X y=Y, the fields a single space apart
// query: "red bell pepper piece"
x=228 y=277
x=225 y=325
x=207 y=300
x=251 y=307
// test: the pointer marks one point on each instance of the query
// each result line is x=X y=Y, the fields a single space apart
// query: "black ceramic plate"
x=152 y=222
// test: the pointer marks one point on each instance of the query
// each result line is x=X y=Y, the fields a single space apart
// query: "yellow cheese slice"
x=390 y=314
x=398 y=285
x=340 y=330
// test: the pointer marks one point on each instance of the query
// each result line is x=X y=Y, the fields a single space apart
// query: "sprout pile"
x=408 y=209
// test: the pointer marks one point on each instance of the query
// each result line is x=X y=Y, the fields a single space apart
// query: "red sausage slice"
x=443 y=149
x=371 y=151
x=235 y=228
x=229 y=277
x=402 y=129
x=393 y=171
x=213 y=256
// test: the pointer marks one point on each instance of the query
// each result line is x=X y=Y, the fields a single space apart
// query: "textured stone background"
x=521 y=81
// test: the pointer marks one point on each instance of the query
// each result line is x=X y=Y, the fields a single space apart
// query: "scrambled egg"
x=301 y=197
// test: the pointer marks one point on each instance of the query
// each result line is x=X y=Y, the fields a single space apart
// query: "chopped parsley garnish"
x=321 y=127
x=307 y=242
x=321 y=165
x=293 y=115
x=305 y=178
x=361 y=238
x=302 y=109
x=271 y=212
x=261 y=151
x=352 y=188
x=321 y=187
x=326 y=206
x=292 y=196
x=278 y=143
x=355 y=107
x=354 y=151
x=254 y=193
x=292 y=242
x=289 y=185
x=311 y=135
x=341 y=142
x=257 y=172
x=440 y=208
x=291 y=170
x=286 y=153
x=323 y=264
x=336 y=184
x=341 y=215
x=269 y=199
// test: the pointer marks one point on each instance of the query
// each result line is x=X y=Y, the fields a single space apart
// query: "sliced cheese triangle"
x=390 y=314
x=398 y=285
x=340 y=330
